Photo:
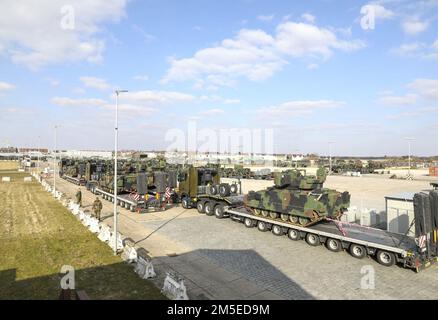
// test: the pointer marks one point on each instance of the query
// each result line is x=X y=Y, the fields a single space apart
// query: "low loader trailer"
x=386 y=247
x=77 y=181
x=134 y=202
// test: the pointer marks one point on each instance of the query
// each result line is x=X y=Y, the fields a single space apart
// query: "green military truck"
x=200 y=188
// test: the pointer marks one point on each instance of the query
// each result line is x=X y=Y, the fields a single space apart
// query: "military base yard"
x=215 y=258
x=39 y=236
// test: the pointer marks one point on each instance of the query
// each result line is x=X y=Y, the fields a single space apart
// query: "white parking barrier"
x=104 y=234
x=119 y=241
x=174 y=287
x=94 y=225
x=86 y=221
x=75 y=209
x=144 y=268
x=6 y=179
x=129 y=254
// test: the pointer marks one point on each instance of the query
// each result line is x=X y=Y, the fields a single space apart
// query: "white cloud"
x=95 y=83
x=33 y=33
x=266 y=18
x=212 y=112
x=417 y=50
x=4 y=86
x=413 y=27
x=426 y=87
x=256 y=55
x=141 y=77
x=231 y=101
x=409 y=49
x=416 y=113
x=298 y=107
x=69 y=102
x=407 y=99
x=379 y=11
x=154 y=98
x=312 y=66
x=308 y=17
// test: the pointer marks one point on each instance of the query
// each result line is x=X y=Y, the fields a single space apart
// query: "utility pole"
x=116 y=137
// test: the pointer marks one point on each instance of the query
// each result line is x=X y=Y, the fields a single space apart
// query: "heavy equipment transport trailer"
x=130 y=204
x=388 y=248
x=123 y=200
x=213 y=204
x=79 y=182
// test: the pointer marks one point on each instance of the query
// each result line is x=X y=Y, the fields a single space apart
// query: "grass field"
x=38 y=236
x=8 y=165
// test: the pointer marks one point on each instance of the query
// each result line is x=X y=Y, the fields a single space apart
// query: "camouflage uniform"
x=97 y=208
x=79 y=198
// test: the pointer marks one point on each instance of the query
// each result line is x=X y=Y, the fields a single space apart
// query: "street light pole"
x=116 y=138
x=54 y=162
x=38 y=155
x=330 y=157
x=409 y=154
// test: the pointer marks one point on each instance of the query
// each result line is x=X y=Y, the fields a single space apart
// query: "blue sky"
x=312 y=71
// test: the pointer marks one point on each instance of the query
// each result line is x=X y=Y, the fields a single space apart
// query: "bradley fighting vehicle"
x=298 y=198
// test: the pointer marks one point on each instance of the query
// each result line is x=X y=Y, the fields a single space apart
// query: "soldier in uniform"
x=97 y=208
x=79 y=197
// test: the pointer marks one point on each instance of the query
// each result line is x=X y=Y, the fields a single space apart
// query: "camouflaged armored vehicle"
x=298 y=198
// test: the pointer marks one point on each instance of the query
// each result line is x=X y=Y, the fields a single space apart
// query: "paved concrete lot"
x=221 y=259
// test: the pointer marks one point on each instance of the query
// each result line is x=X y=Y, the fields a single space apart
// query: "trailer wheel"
x=385 y=258
x=200 y=206
x=132 y=208
x=276 y=230
x=293 y=234
x=333 y=245
x=358 y=251
x=262 y=226
x=312 y=239
x=248 y=223
x=219 y=211
x=209 y=208
x=233 y=188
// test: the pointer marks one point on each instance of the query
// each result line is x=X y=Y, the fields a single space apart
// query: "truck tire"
x=385 y=258
x=214 y=190
x=219 y=211
x=277 y=230
x=312 y=239
x=224 y=189
x=333 y=245
x=293 y=234
x=262 y=226
x=249 y=223
x=185 y=203
x=358 y=251
x=233 y=188
x=200 y=206
x=209 y=206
